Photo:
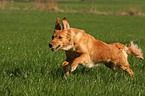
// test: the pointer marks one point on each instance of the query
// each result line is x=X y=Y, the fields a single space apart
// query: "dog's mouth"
x=56 y=48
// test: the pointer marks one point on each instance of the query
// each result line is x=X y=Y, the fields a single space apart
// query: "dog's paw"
x=73 y=68
x=67 y=73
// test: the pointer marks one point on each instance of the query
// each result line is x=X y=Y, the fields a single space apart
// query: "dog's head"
x=61 y=37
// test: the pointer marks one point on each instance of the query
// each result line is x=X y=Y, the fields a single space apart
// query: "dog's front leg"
x=65 y=67
x=79 y=60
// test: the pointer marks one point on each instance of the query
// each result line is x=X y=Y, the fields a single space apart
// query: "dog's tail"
x=132 y=49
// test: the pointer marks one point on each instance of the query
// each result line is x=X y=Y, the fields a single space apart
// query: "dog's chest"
x=68 y=47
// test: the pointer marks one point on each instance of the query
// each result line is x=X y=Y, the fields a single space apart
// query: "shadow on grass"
x=82 y=70
x=56 y=73
x=10 y=73
x=14 y=72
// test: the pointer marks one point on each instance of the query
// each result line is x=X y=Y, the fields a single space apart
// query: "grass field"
x=29 y=68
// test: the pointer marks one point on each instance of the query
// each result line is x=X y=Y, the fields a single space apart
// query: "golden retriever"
x=82 y=48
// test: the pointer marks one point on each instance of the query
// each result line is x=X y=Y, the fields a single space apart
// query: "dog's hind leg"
x=123 y=64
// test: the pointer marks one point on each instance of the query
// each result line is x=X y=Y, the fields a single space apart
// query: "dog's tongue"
x=57 y=47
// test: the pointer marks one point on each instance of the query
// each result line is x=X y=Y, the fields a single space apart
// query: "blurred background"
x=100 y=7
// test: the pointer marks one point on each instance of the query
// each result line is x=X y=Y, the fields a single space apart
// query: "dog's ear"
x=65 y=23
x=58 y=25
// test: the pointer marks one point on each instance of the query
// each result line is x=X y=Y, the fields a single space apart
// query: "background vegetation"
x=29 y=68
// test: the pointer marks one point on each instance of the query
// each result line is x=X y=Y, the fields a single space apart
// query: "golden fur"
x=82 y=48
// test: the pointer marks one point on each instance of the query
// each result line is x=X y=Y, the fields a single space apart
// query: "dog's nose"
x=50 y=45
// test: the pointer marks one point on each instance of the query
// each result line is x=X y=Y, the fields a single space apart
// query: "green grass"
x=29 y=68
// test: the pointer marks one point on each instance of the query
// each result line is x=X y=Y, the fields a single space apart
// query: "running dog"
x=82 y=48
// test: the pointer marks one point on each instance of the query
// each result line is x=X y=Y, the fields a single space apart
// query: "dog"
x=82 y=48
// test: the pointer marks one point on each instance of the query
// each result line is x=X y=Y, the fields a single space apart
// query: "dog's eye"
x=59 y=37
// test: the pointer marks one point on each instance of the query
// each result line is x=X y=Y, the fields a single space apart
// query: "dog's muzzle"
x=53 y=49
